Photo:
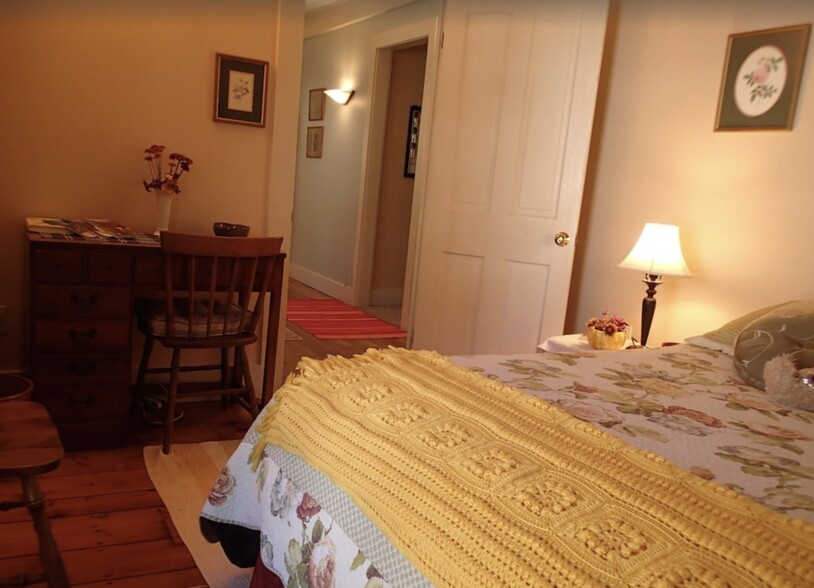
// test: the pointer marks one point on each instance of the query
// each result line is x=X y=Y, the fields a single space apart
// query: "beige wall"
x=88 y=84
x=743 y=200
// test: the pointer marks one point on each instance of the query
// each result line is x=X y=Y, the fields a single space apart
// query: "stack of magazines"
x=87 y=228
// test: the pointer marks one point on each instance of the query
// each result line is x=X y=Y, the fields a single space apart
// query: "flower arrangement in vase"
x=607 y=332
x=160 y=181
x=165 y=185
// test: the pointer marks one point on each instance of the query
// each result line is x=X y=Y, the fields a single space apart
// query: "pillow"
x=787 y=330
x=723 y=338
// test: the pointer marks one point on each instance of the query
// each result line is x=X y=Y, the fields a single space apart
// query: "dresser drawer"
x=56 y=266
x=71 y=404
x=55 y=371
x=70 y=301
x=149 y=270
x=110 y=268
x=81 y=336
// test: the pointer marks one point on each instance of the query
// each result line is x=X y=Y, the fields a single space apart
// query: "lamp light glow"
x=339 y=96
x=657 y=253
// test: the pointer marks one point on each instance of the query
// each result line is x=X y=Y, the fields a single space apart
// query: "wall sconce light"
x=339 y=96
x=657 y=253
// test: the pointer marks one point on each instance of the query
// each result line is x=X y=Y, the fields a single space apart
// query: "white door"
x=514 y=108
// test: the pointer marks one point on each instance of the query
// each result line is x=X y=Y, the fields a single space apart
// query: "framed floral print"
x=313 y=141
x=240 y=90
x=316 y=104
x=761 y=79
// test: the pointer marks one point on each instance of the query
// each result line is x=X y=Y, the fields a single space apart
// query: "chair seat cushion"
x=153 y=318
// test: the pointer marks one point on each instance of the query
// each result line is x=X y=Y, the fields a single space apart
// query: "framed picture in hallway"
x=761 y=79
x=240 y=90
x=313 y=142
x=411 y=155
x=316 y=104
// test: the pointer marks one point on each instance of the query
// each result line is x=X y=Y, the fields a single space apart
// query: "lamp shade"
x=657 y=252
x=339 y=95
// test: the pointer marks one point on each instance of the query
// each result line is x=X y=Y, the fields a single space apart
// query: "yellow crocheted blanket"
x=479 y=484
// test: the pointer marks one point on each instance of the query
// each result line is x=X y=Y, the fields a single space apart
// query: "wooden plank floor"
x=107 y=518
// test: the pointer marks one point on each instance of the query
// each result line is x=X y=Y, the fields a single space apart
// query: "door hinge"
x=442 y=40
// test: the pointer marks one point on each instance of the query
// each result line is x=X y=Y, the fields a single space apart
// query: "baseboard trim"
x=319 y=282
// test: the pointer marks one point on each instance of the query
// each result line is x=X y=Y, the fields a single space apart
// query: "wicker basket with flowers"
x=607 y=331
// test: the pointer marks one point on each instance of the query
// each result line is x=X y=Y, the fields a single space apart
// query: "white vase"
x=163 y=208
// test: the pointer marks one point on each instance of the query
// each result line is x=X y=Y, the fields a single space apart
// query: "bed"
x=639 y=467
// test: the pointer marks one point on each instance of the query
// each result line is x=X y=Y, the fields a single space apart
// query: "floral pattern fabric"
x=298 y=540
x=685 y=403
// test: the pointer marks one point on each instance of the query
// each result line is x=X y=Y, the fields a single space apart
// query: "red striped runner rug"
x=333 y=319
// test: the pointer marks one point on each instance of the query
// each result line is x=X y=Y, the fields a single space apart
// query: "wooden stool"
x=30 y=446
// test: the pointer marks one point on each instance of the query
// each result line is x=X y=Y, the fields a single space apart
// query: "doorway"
x=397 y=180
x=393 y=187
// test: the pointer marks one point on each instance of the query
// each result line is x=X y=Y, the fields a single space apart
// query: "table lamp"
x=657 y=253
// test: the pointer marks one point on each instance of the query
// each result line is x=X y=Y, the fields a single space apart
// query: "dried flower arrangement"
x=160 y=181
x=608 y=323
x=607 y=331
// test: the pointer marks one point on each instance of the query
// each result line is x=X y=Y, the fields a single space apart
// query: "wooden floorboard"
x=107 y=518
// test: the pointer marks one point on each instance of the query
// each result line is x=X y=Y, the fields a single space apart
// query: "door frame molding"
x=384 y=44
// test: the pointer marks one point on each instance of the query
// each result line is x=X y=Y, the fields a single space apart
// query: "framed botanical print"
x=761 y=79
x=313 y=141
x=316 y=104
x=240 y=90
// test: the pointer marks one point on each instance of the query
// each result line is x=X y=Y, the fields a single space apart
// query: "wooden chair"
x=215 y=289
x=30 y=446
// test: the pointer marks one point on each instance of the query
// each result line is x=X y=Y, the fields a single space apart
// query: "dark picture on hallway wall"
x=411 y=155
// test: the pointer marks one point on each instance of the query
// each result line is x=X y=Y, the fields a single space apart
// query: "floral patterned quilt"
x=683 y=402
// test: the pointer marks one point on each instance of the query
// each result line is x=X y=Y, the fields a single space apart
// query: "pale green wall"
x=327 y=193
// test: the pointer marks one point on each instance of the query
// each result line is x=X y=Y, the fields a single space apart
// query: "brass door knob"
x=562 y=239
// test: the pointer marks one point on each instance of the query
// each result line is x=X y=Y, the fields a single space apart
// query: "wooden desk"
x=81 y=296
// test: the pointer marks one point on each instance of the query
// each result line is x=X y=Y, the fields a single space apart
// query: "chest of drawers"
x=80 y=349
x=81 y=301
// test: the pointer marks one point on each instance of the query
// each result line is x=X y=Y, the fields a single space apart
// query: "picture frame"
x=316 y=104
x=411 y=154
x=313 y=142
x=240 y=90
x=761 y=79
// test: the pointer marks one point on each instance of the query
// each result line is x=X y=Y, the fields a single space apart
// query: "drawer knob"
x=80 y=403
x=82 y=368
x=82 y=335
x=84 y=300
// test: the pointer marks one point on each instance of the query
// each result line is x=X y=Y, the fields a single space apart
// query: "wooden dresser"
x=81 y=324
x=81 y=309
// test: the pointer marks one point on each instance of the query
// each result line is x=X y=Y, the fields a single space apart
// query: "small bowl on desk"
x=230 y=230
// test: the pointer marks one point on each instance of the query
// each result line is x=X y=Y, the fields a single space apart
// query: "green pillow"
x=786 y=330
x=723 y=338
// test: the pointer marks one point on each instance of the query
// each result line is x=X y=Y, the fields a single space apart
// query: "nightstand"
x=571 y=343
x=565 y=344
